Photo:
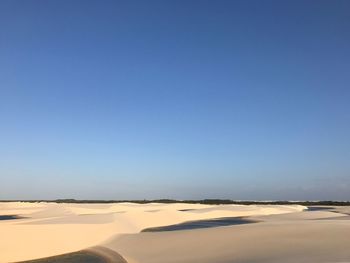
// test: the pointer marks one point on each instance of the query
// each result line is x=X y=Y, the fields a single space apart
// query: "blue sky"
x=175 y=99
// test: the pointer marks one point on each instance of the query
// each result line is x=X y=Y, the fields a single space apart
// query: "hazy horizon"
x=245 y=100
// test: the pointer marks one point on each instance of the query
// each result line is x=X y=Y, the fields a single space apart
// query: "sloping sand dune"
x=50 y=229
x=283 y=234
x=302 y=241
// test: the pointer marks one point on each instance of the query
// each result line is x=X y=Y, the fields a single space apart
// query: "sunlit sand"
x=282 y=233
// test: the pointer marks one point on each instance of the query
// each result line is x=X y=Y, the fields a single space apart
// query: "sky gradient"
x=175 y=99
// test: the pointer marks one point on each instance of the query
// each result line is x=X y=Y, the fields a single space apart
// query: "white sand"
x=51 y=229
x=287 y=233
x=304 y=241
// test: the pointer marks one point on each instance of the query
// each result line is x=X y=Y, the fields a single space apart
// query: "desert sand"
x=283 y=233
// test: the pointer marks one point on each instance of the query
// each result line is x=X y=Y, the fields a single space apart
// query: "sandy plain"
x=282 y=233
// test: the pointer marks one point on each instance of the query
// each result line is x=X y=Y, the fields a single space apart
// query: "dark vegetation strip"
x=204 y=201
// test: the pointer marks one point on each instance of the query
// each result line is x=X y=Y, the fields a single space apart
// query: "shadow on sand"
x=91 y=255
x=10 y=217
x=225 y=221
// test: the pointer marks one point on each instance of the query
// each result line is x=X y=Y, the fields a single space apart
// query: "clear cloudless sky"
x=175 y=99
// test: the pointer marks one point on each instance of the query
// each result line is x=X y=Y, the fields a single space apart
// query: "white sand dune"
x=49 y=229
x=267 y=242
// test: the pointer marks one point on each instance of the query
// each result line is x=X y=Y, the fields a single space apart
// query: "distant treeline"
x=204 y=201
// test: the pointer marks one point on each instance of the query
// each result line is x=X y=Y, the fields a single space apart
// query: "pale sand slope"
x=303 y=237
x=50 y=229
